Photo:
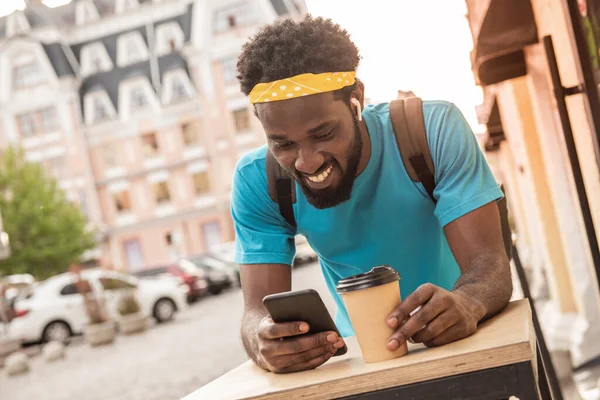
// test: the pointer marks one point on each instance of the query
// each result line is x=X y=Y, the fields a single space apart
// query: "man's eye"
x=282 y=145
x=324 y=135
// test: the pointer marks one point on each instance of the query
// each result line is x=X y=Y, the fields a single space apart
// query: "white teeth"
x=322 y=176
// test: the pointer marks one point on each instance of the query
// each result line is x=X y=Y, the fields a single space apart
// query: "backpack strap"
x=409 y=127
x=282 y=188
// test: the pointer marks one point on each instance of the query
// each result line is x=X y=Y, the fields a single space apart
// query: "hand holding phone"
x=299 y=333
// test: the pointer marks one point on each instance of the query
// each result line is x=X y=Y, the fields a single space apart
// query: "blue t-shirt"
x=389 y=219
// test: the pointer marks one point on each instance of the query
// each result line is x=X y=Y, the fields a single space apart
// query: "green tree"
x=46 y=231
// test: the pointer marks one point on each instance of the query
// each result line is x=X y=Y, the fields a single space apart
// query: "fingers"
x=310 y=358
x=436 y=305
x=311 y=364
x=301 y=344
x=267 y=329
x=452 y=334
x=418 y=298
x=435 y=328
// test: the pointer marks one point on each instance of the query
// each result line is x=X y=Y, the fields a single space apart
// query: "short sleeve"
x=262 y=235
x=464 y=181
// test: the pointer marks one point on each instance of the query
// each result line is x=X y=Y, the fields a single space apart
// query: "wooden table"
x=497 y=362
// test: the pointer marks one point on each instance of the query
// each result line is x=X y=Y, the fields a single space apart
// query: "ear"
x=357 y=108
x=359 y=93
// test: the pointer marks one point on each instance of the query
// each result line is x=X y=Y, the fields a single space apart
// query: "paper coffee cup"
x=369 y=299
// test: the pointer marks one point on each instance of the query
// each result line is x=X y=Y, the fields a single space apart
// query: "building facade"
x=543 y=135
x=133 y=106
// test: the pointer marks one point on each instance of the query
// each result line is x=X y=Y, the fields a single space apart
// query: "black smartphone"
x=302 y=305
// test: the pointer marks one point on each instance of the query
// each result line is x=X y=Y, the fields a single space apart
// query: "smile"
x=320 y=177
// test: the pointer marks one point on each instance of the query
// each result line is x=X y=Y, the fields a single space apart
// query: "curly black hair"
x=286 y=48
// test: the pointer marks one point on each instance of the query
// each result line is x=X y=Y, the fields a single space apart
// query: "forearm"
x=488 y=282
x=249 y=332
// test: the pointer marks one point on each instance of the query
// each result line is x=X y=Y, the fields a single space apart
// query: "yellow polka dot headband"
x=300 y=85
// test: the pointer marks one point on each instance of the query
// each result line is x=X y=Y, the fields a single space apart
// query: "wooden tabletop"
x=505 y=339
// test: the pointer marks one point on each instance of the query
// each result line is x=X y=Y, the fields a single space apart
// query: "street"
x=166 y=362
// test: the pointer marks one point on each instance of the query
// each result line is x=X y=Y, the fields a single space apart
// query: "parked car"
x=185 y=271
x=13 y=287
x=221 y=275
x=54 y=309
x=304 y=253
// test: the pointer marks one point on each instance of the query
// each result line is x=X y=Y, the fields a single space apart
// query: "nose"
x=308 y=161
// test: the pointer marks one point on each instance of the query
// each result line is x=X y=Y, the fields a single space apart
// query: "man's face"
x=316 y=139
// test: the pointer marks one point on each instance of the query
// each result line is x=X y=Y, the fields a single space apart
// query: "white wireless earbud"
x=356 y=103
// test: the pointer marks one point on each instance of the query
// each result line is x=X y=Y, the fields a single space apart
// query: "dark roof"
x=280 y=7
x=58 y=58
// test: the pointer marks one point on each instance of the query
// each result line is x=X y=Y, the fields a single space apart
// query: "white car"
x=54 y=310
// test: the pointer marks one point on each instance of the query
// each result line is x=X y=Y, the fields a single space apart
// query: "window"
x=27 y=124
x=122 y=201
x=83 y=206
x=49 y=120
x=85 y=12
x=241 y=119
x=131 y=49
x=201 y=183
x=150 y=146
x=139 y=100
x=211 y=233
x=133 y=254
x=100 y=110
x=179 y=90
x=126 y=5
x=115 y=284
x=161 y=192
x=239 y=15
x=190 y=134
x=69 y=289
x=94 y=59
x=228 y=69
x=111 y=156
x=169 y=38
x=27 y=75
x=38 y=122
x=56 y=167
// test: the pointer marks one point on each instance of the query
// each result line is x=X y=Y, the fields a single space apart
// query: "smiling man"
x=356 y=203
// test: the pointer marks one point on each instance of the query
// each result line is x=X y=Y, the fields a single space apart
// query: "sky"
x=421 y=46
x=8 y=6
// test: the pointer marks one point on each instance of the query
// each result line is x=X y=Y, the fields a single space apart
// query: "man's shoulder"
x=251 y=165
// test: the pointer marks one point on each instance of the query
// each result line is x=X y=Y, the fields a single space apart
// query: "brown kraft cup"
x=369 y=299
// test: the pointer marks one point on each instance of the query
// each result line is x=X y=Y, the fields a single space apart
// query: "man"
x=355 y=202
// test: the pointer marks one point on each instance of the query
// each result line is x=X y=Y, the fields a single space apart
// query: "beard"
x=335 y=195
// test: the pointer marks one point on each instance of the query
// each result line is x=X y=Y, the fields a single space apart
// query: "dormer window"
x=86 y=12
x=177 y=87
x=95 y=59
x=136 y=95
x=169 y=37
x=17 y=23
x=139 y=100
x=131 y=49
x=234 y=16
x=98 y=107
x=126 y=5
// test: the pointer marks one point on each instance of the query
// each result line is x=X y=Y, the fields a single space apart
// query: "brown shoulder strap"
x=409 y=127
x=282 y=188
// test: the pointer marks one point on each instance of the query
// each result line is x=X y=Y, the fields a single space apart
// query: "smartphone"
x=302 y=305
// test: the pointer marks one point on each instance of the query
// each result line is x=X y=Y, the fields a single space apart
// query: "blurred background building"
x=134 y=107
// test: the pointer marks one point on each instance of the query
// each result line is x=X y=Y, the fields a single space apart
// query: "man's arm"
x=258 y=281
x=476 y=242
x=466 y=194
x=279 y=347
x=483 y=289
